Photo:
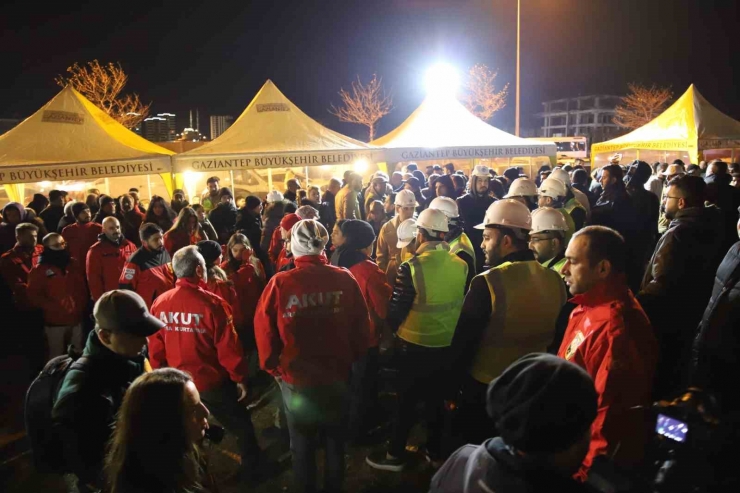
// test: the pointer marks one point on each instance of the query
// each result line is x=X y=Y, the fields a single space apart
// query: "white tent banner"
x=193 y=162
x=471 y=152
x=83 y=171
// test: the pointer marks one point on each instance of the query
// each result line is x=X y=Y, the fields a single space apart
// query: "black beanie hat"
x=542 y=403
x=78 y=207
x=252 y=202
x=358 y=234
x=210 y=250
x=511 y=173
x=104 y=200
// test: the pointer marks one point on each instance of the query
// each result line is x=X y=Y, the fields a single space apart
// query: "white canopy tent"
x=70 y=138
x=442 y=129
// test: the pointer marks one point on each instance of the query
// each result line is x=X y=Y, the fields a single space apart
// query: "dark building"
x=588 y=116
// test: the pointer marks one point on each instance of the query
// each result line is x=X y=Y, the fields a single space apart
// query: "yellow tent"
x=72 y=139
x=691 y=125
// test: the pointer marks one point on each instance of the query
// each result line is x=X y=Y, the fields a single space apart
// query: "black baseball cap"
x=125 y=311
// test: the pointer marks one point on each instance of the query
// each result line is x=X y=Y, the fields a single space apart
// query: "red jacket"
x=199 y=337
x=61 y=295
x=248 y=286
x=149 y=273
x=80 y=237
x=311 y=324
x=374 y=285
x=105 y=262
x=15 y=266
x=225 y=290
x=610 y=336
x=175 y=240
x=276 y=245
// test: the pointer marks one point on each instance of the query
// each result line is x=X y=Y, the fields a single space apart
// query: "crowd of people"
x=533 y=319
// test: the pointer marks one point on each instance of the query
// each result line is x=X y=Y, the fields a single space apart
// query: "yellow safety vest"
x=556 y=266
x=571 y=225
x=573 y=204
x=439 y=280
x=526 y=299
x=462 y=244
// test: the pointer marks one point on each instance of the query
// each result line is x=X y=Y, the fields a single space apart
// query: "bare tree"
x=481 y=96
x=365 y=105
x=102 y=85
x=642 y=105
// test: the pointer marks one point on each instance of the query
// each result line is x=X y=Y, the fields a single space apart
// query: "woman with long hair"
x=159 y=213
x=155 y=442
x=245 y=271
x=185 y=231
x=217 y=280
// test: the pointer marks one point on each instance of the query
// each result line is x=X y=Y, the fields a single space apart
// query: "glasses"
x=537 y=240
x=669 y=197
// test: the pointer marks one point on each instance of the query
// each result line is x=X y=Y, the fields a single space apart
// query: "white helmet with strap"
x=432 y=220
x=508 y=213
x=446 y=205
x=522 y=187
x=406 y=232
x=548 y=219
x=406 y=198
x=553 y=188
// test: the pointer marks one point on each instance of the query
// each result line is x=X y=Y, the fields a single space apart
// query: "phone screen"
x=671 y=428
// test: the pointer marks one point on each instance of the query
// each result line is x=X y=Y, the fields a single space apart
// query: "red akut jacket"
x=105 y=262
x=311 y=324
x=610 y=337
x=248 y=286
x=199 y=337
x=175 y=240
x=15 y=266
x=80 y=237
x=149 y=273
x=374 y=285
x=225 y=290
x=61 y=295
x=276 y=245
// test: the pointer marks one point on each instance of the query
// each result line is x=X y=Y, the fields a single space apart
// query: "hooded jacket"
x=87 y=404
x=80 y=237
x=7 y=230
x=105 y=262
x=15 y=267
x=200 y=337
x=149 y=273
x=60 y=293
x=311 y=324
x=611 y=338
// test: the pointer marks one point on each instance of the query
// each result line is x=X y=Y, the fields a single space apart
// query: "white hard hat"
x=673 y=169
x=561 y=175
x=548 y=219
x=380 y=175
x=552 y=187
x=406 y=232
x=446 y=205
x=433 y=220
x=522 y=187
x=274 y=196
x=508 y=213
x=481 y=171
x=406 y=198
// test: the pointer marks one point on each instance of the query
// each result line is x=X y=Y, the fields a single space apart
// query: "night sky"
x=215 y=55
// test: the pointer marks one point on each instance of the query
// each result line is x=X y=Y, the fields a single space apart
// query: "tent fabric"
x=71 y=138
x=274 y=132
x=691 y=124
x=442 y=128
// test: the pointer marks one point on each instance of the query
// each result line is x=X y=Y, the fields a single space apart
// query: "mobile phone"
x=671 y=428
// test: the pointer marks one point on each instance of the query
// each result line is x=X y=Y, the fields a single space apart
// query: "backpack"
x=46 y=445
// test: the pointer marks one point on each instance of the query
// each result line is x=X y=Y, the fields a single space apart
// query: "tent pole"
x=107 y=186
x=149 y=186
x=233 y=188
x=306 y=177
x=269 y=179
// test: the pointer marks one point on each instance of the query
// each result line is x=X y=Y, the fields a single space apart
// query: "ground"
x=17 y=473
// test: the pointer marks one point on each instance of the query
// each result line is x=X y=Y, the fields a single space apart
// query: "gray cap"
x=125 y=311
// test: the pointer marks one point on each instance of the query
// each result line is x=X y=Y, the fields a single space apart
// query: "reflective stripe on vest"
x=462 y=244
x=439 y=280
x=526 y=298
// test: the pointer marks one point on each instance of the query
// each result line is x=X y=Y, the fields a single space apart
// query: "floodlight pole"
x=518 y=28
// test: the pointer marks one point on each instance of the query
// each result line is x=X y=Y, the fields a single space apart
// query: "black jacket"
x=51 y=216
x=473 y=209
x=223 y=218
x=250 y=225
x=87 y=404
x=677 y=286
x=648 y=206
x=727 y=199
x=716 y=351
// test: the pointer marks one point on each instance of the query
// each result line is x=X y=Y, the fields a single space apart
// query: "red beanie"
x=288 y=221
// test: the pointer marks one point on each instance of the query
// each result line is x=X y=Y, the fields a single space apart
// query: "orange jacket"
x=15 y=266
x=610 y=337
x=377 y=292
x=199 y=337
x=62 y=295
x=79 y=238
x=311 y=324
x=105 y=261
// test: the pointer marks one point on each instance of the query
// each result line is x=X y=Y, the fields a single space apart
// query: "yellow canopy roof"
x=72 y=139
x=691 y=124
x=273 y=132
x=442 y=128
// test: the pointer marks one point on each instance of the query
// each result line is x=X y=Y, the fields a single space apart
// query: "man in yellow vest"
x=547 y=238
x=459 y=242
x=576 y=202
x=509 y=311
x=426 y=303
x=552 y=193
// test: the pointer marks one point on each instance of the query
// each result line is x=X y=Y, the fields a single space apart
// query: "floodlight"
x=442 y=79
x=360 y=166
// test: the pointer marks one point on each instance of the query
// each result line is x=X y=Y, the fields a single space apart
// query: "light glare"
x=442 y=79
